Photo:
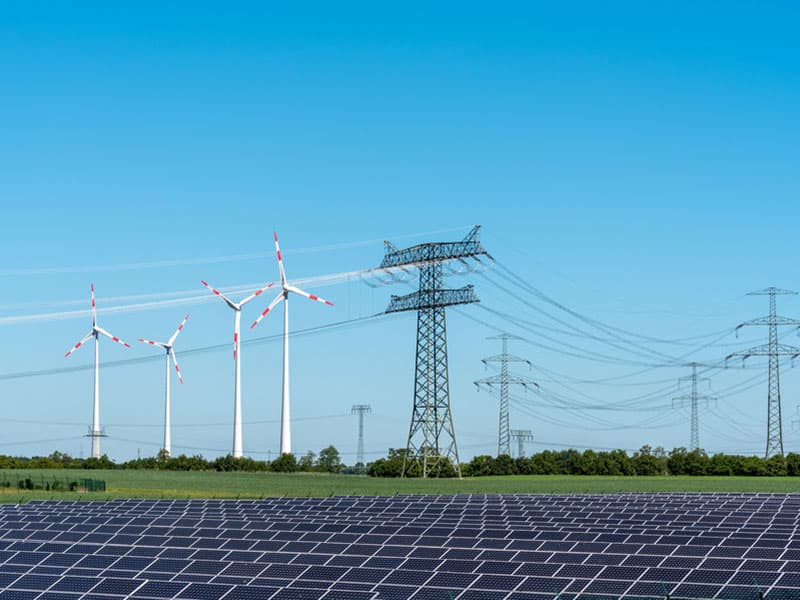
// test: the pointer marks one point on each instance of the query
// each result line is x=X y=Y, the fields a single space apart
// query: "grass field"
x=170 y=484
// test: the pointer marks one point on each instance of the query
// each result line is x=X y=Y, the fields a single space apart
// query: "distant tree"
x=775 y=466
x=479 y=466
x=793 y=464
x=503 y=465
x=99 y=463
x=568 y=462
x=329 y=460
x=391 y=466
x=544 y=463
x=522 y=465
x=588 y=463
x=645 y=463
x=622 y=461
x=722 y=464
x=676 y=463
x=162 y=458
x=307 y=461
x=753 y=466
x=285 y=463
x=697 y=462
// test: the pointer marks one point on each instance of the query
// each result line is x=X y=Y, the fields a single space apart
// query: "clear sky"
x=635 y=161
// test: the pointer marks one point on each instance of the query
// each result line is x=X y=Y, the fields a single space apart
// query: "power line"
x=211 y=259
x=201 y=350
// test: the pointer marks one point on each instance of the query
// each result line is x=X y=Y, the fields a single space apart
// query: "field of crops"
x=170 y=484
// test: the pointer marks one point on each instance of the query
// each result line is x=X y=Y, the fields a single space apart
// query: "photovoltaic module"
x=466 y=547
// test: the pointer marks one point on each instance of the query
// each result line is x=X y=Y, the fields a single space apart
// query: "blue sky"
x=637 y=163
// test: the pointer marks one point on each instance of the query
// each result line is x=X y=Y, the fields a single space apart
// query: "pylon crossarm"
x=767 y=350
x=506 y=358
x=776 y=320
x=425 y=299
x=435 y=252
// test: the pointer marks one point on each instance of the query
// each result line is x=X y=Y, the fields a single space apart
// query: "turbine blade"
x=94 y=308
x=178 y=330
x=272 y=305
x=85 y=339
x=112 y=337
x=280 y=259
x=216 y=292
x=314 y=297
x=177 y=368
x=256 y=294
x=152 y=343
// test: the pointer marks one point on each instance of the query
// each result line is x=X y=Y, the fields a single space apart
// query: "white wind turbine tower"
x=237 y=386
x=170 y=352
x=95 y=333
x=286 y=433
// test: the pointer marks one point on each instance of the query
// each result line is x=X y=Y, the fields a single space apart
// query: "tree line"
x=327 y=461
x=646 y=461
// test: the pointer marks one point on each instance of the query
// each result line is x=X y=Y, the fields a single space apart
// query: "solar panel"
x=727 y=546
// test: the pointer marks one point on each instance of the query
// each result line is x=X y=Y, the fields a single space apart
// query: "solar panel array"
x=466 y=547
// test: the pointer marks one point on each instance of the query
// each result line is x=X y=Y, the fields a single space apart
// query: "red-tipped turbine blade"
x=272 y=305
x=256 y=294
x=177 y=368
x=178 y=330
x=216 y=292
x=113 y=337
x=94 y=308
x=86 y=338
x=280 y=258
x=313 y=297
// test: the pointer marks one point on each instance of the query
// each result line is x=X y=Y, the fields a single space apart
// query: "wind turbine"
x=170 y=352
x=95 y=333
x=286 y=433
x=237 y=386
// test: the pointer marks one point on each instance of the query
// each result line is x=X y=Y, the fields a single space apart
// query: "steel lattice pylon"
x=431 y=447
x=522 y=436
x=774 y=350
x=694 y=399
x=503 y=381
x=361 y=410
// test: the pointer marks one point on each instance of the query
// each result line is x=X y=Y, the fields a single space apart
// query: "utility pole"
x=774 y=350
x=522 y=436
x=361 y=410
x=503 y=380
x=431 y=436
x=694 y=399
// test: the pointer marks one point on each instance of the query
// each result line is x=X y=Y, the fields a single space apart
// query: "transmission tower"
x=502 y=381
x=361 y=410
x=694 y=399
x=431 y=436
x=774 y=351
x=522 y=436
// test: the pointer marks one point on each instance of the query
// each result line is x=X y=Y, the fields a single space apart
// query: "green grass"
x=170 y=484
